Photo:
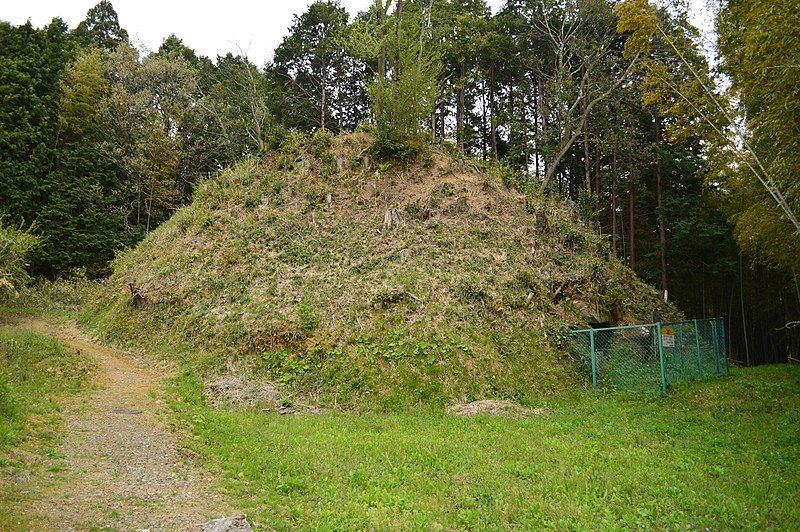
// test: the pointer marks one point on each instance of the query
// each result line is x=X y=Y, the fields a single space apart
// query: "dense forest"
x=611 y=105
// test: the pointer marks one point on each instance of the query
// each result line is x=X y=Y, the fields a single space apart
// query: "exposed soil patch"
x=231 y=390
x=494 y=406
x=120 y=465
x=238 y=523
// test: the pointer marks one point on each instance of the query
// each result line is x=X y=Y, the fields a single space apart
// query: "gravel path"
x=124 y=467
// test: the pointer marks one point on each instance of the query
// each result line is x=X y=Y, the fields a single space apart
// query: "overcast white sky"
x=211 y=28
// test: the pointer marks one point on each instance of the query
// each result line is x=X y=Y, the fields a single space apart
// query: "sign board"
x=667 y=337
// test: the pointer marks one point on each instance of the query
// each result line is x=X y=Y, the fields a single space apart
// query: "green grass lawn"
x=34 y=372
x=718 y=454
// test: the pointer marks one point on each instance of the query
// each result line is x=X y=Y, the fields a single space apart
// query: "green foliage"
x=101 y=27
x=404 y=97
x=33 y=60
x=761 y=53
x=675 y=76
x=387 y=149
x=321 y=142
x=15 y=246
x=322 y=86
x=697 y=458
x=81 y=226
x=637 y=18
x=753 y=165
x=309 y=319
x=99 y=145
x=63 y=294
x=237 y=104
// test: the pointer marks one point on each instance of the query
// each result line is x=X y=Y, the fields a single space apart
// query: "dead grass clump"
x=494 y=407
x=231 y=390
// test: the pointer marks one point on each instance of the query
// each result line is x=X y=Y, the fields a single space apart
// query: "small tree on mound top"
x=406 y=85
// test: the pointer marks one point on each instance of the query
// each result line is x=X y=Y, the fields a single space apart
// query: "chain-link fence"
x=651 y=356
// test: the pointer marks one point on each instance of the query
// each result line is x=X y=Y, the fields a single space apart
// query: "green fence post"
x=697 y=341
x=716 y=345
x=680 y=349
x=723 y=340
x=594 y=358
x=661 y=358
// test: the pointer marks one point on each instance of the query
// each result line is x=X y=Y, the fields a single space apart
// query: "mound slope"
x=350 y=281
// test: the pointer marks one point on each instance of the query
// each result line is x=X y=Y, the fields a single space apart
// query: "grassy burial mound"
x=357 y=282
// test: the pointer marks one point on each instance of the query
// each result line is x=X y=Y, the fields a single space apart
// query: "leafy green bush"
x=321 y=141
x=60 y=294
x=387 y=148
x=15 y=244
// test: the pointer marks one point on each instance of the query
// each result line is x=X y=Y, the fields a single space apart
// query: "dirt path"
x=124 y=467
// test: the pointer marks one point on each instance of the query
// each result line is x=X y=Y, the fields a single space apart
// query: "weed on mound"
x=358 y=282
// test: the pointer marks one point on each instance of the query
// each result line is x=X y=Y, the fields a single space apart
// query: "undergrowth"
x=63 y=296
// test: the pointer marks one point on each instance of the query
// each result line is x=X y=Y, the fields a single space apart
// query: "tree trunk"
x=138 y=202
x=536 y=132
x=399 y=18
x=460 y=109
x=571 y=134
x=542 y=117
x=150 y=202
x=525 y=147
x=632 y=227
x=587 y=172
x=614 y=201
x=598 y=183
x=662 y=228
x=483 y=124
x=442 y=118
x=324 y=104
x=511 y=139
x=744 y=319
x=493 y=122
x=382 y=53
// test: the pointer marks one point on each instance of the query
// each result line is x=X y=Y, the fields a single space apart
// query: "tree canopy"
x=610 y=105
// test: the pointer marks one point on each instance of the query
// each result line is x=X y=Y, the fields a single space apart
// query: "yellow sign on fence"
x=667 y=337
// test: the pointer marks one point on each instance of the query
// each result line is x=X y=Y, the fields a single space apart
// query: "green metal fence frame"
x=719 y=344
